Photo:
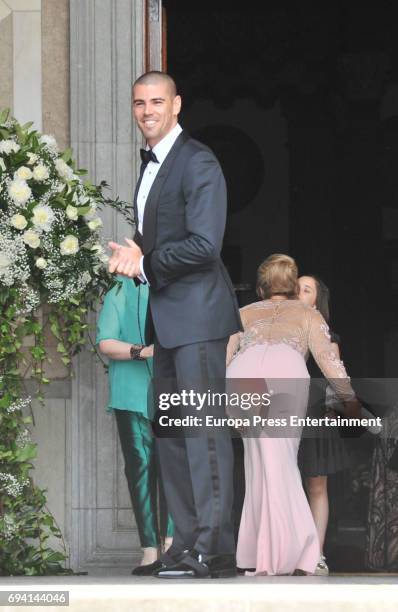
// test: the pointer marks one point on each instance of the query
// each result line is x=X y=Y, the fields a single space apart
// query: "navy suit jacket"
x=191 y=297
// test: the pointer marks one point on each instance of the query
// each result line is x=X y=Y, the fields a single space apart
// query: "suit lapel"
x=149 y=222
x=135 y=205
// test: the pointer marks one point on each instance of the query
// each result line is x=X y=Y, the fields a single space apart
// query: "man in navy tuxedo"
x=180 y=208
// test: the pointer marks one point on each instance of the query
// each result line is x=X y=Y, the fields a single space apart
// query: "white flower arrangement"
x=19 y=405
x=64 y=171
x=49 y=143
x=70 y=245
x=49 y=220
x=32 y=158
x=40 y=173
x=23 y=173
x=72 y=212
x=19 y=191
x=43 y=217
x=94 y=224
x=10 y=527
x=5 y=261
x=18 y=221
x=31 y=238
x=41 y=263
x=11 y=485
x=9 y=146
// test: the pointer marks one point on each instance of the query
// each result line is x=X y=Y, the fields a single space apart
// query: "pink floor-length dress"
x=277 y=531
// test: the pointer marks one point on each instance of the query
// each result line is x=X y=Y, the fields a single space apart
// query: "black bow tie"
x=147 y=156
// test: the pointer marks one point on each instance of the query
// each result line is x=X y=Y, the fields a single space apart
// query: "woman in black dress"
x=323 y=453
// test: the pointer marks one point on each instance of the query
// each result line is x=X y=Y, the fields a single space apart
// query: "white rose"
x=9 y=146
x=4 y=260
x=95 y=224
x=86 y=278
x=40 y=173
x=2 y=164
x=70 y=245
x=32 y=158
x=49 y=142
x=71 y=212
x=63 y=169
x=19 y=222
x=43 y=217
x=91 y=213
x=80 y=198
x=23 y=173
x=41 y=263
x=19 y=191
x=31 y=238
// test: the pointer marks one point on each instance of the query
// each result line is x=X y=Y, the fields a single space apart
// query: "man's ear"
x=177 y=105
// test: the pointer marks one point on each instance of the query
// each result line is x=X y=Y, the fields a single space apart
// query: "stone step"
x=242 y=594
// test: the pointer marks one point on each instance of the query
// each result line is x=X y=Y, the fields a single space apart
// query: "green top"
x=123 y=307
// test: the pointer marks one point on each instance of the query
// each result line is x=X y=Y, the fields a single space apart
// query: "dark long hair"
x=322 y=297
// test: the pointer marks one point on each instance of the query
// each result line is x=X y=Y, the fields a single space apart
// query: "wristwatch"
x=135 y=351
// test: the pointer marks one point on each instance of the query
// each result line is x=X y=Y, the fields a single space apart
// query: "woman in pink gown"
x=277 y=532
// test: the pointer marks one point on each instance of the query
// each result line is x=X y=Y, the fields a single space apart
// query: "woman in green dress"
x=120 y=332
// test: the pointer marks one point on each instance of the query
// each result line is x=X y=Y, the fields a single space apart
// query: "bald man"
x=180 y=209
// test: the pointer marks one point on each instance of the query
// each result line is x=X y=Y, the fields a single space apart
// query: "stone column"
x=106 y=55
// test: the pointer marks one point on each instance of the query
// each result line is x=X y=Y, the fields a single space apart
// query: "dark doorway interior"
x=299 y=100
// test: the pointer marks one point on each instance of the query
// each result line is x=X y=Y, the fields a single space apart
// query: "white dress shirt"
x=161 y=151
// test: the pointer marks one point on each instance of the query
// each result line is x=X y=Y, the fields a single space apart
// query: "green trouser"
x=138 y=447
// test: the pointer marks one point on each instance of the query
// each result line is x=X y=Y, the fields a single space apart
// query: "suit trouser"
x=138 y=448
x=196 y=466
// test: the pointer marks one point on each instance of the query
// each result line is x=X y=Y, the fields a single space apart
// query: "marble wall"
x=34 y=83
x=6 y=65
x=55 y=70
x=68 y=65
x=27 y=69
x=106 y=48
x=34 y=63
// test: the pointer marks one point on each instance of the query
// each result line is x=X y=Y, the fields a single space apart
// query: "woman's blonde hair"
x=277 y=275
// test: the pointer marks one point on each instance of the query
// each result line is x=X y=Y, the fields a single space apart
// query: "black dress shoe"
x=168 y=559
x=147 y=570
x=197 y=565
x=243 y=570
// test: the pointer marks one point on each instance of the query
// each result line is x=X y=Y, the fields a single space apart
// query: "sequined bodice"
x=301 y=327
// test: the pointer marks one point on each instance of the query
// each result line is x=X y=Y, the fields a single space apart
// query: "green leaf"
x=5 y=113
x=55 y=330
x=29 y=451
x=67 y=155
x=28 y=125
x=83 y=210
x=55 y=556
x=61 y=347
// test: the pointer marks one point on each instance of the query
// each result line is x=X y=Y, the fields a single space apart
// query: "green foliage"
x=25 y=522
